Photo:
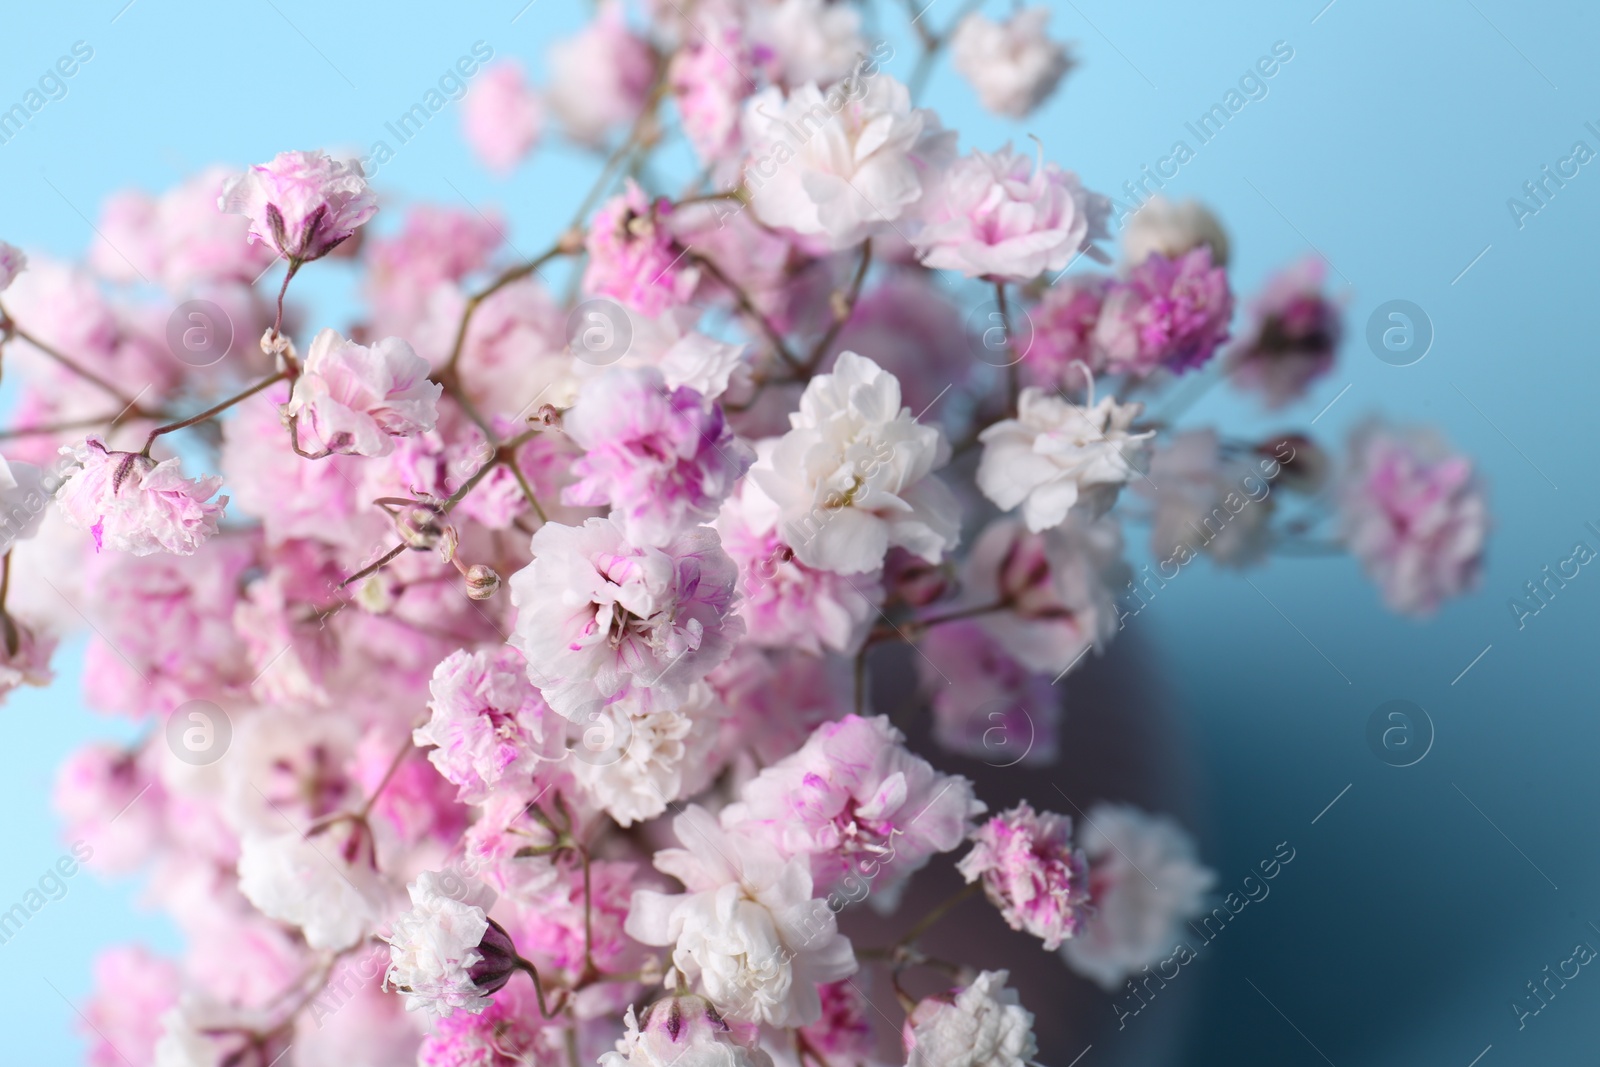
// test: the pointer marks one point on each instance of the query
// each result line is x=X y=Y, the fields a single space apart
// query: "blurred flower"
x=501 y=117
x=1013 y=65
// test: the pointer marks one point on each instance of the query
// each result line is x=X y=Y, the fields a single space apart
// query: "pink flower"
x=501 y=117
x=860 y=804
x=13 y=261
x=1170 y=313
x=1031 y=872
x=784 y=602
x=709 y=82
x=1063 y=332
x=599 y=78
x=132 y=990
x=303 y=204
x=1415 y=515
x=598 y=614
x=634 y=257
x=98 y=784
x=1058 y=587
x=489 y=725
x=844 y=1033
x=170 y=627
x=507 y=1034
x=131 y=503
x=1293 y=338
x=985 y=704
x=1001 y=217
x=663 y=460
x=357 y=399
x=435 y=247
x=179 y=239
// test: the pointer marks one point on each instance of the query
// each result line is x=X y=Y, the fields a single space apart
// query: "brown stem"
x=748 y=307
x=294 y=265
x=854 y=294
x=75 y=367
x=928 y=921
x=538 y=987
x=212 y=411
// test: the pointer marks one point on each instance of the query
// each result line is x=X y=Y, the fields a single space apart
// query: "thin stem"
x=589 y=969
x=749 y=308
x=212 y=411
x=929 y=920
x=514 y=274
x=58 y=427
x=75 y=367
x=527 y=487
x=538 y=986
x=394 y=765
x=294 y=265
x=960 y=613
x=861 y=679
x=1012 y=374
x=844 y=312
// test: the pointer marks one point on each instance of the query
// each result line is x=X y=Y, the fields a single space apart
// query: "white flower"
x=812 y=40
x=1012 y=65
x=635 y=760
x=681 y=1031
x=295 y=880
x=357 y=398
x=1172 y=229
x=841 y=165
x=1146 y=883
x=1057 y=454
x=852 y=477
x=22 y=501
x=200 y=1032
x=747 y=929
x=986 y=1026
x=597 y=615
x=1207 y=501
x=434 y=946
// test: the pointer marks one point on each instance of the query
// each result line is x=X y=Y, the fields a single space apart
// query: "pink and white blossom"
x=1004 y=217
x=664 y=461
x=1057 y=455
x=1031 y=872
x=13 y=261
x=1169 y=313
x=634 y=257
x=489 y=725
x=681 y=1030
x=858 y=804
x=600 y=77
x=1173 y=229
x=312 y=883
x=437 y=948
x=981 y=1025
x=839 y=166
x=357 y=398
x=746 y=931
x=1415 y=514
x=131 y=503
x=1144 y=884
x=1013 y=65
x=598 y=614
x=302 y=204
x=853 y=476
x=1293 y=337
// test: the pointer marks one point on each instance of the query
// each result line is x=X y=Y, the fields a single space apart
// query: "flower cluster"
x=533 y=695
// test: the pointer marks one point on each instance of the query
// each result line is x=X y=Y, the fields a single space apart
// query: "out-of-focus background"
x=1422 y=899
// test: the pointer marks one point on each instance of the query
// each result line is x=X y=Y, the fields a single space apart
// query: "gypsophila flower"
x=681 y=1031
x=664 y=460
x=1003 y=216
x=1168 y=313
x=1013 y=65
x=131 y=503
x=634 y=257
x=598 y=614
x=1172 y=229
x=302 y=204
x=747 y=930
x=310 y=883
x=853 y=476
x=1144 y=883
x=501 y=116
x=1031 y=872
x=358 y=398
x=444 y=954
x=1292 y=339
x=859 y=804
x=982 y=1025
x=1057 y=455
x=1414 y=514
x=488 y=725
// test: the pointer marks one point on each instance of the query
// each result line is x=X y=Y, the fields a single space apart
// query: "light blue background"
x=1390 y=142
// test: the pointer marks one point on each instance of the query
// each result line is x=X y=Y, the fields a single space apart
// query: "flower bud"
x=419 y=526
x=482 y=582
